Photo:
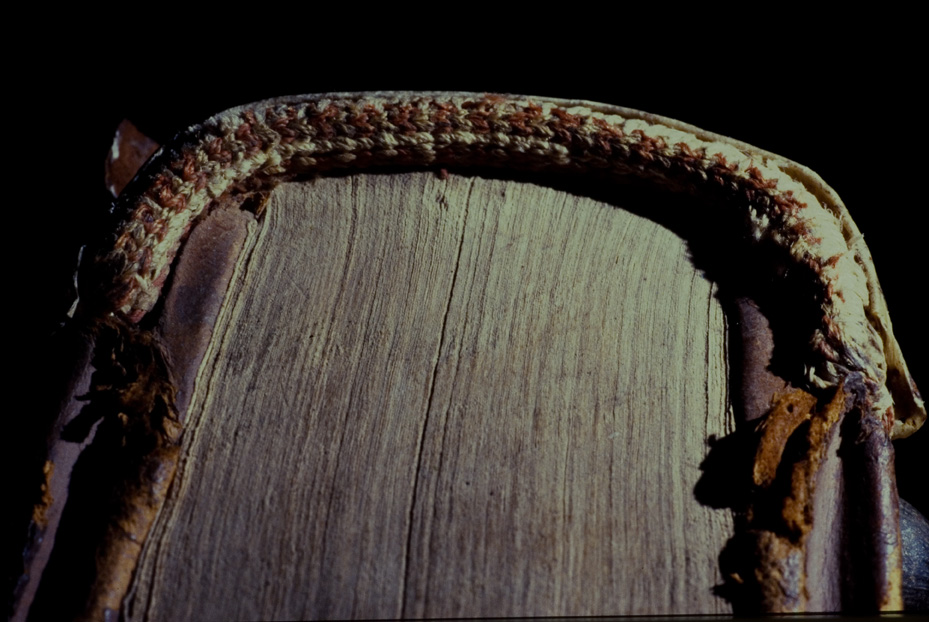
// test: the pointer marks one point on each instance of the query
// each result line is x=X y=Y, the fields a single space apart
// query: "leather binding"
x=805 y=538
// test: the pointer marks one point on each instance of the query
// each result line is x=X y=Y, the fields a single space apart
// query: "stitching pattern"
x=273 y=140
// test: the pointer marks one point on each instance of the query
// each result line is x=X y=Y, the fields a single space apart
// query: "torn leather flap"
x=822 y=529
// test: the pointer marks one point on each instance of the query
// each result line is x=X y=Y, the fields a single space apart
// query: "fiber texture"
x=263 y=143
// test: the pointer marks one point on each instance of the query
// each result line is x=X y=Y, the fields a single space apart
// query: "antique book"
x=439 y=355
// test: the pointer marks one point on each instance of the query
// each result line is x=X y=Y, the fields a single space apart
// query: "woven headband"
x=266 y=142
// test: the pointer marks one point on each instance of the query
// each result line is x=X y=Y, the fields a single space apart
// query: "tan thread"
x=316 y=134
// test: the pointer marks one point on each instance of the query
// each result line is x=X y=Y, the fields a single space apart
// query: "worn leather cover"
x=808 y=541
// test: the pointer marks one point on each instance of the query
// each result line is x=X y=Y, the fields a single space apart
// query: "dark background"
x=845 y=101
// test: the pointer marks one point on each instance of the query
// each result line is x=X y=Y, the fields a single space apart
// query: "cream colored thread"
x=843 y=310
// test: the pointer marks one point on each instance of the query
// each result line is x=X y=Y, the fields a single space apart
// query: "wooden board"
x=496 y=401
